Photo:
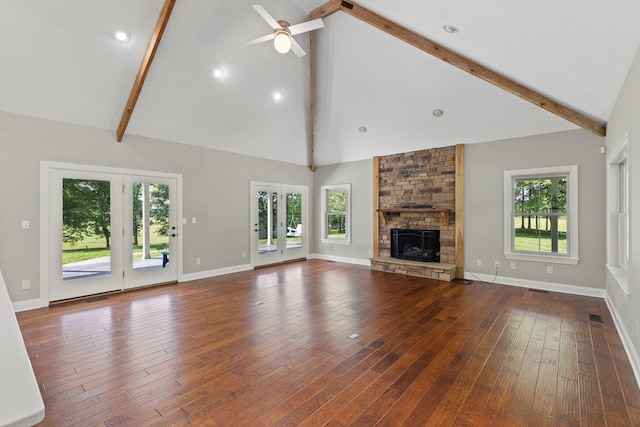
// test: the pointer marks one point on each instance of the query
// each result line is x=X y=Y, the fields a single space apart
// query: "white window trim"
x=572 y=257
x=617 y=271
x=338 y=187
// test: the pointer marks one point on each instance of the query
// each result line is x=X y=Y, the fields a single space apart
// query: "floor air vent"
x=540 y=291
x=595 y=318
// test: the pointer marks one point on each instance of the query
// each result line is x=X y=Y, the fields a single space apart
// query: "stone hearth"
x=430 y=270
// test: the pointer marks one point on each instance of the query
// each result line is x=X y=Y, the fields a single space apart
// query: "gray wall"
x=216 y=192
x=626 y=118
x=215 y=184
x=360 y=176
x=484 y=209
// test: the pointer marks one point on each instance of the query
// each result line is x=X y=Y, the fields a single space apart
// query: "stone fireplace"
x=417 y=191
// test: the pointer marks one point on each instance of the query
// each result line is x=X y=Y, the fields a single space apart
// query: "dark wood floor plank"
x=273 y=347
x=544 y=400
x=591 y=409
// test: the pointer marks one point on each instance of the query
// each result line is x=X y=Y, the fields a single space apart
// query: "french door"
x=109 y=231
x=278 y=223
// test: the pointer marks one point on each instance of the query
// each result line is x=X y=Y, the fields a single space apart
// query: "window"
x=618 y=215
x=622 y=214
x=541 y=214
x=336 y=207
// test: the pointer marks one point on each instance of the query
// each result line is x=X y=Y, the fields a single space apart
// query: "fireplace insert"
x=415 y=245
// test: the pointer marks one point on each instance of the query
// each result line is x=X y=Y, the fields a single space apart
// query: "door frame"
x=283 y=189
x=45 y=205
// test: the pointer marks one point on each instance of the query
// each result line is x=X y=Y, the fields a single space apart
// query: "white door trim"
x=45 y=202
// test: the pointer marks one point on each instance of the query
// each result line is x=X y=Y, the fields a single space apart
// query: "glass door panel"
x=85 y=255
x=294 y=224
x=86 y=228
x=150 y=226
x=151 y=231
x=265 y=226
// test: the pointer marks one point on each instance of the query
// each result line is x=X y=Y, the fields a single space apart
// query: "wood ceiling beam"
x=312 y=102
x=163 y=20
x=465 y=64
x=329 y=8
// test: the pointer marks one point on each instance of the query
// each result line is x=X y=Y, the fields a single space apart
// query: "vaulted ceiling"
x=60 y=61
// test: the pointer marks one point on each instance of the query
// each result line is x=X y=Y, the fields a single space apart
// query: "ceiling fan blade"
x=261 y=39
x=265 y=15
x=296 y=48
x=306 y=26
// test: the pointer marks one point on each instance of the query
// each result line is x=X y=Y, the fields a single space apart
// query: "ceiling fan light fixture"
x=282 y=41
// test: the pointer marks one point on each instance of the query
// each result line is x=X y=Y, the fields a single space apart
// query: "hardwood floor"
x=273 y=347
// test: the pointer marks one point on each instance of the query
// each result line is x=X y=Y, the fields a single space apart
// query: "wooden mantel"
x=444 y=212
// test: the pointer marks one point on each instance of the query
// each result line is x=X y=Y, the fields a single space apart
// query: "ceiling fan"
x=283 y=33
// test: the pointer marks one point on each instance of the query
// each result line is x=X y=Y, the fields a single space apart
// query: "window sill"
x=551 y=259
x=620 y=276
x=336 y=241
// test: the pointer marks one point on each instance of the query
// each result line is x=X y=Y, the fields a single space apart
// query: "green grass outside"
x=94 y=247
x=337 y=234
x=539 y=240
x=531 y=241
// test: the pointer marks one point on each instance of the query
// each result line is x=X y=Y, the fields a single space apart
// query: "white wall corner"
x=30 y=304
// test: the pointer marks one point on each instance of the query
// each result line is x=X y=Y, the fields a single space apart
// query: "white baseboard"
x=25 y=305
x=357 y=261
x=627 y=342
x=216 y=272
x=533 y=284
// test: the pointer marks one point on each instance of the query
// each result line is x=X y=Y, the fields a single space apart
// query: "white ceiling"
x=61 y=62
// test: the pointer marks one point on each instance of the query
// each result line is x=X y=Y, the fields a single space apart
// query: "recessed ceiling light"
x=121 y=36
x=362 y=129
x=451 y=29
x=277 y=96
x=218 y=72
x=438 y=113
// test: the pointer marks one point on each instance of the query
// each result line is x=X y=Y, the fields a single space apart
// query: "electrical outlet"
x=26 y=284
x=369 y=251
x=244 y=254
x=513 y=265
x=197 y=260
x=496 y=264
x=549 y=269
x=478 y=262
